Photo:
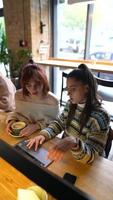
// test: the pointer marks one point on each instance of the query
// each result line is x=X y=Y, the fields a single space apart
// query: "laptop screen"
x=39 y=156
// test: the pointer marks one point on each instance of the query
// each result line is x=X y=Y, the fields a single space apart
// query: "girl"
x=84 y=122
x=35 y=104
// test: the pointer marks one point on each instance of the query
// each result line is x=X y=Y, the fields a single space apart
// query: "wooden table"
x=96 y=66
x=10 y=181
x=95 y=179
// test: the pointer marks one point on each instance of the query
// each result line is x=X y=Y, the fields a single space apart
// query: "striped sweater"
x=93 y=138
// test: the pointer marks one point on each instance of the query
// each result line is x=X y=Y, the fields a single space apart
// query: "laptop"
x=39 y=156
x=52 y=183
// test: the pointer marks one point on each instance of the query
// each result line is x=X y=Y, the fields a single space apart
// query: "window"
x=1 y=4
x=101 y=44
x=71 y=26
x=83 y=31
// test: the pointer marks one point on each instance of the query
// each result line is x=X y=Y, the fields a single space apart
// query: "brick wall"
x=22 y=19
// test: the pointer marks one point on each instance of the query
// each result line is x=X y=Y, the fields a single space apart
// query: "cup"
x=16 y=127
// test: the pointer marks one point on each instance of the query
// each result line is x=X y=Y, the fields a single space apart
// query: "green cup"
x=16 y=127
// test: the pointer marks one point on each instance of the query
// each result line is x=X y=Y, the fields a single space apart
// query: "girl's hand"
x=57 y=152
x=8 y=127
x=28 y=130
x=36 y=141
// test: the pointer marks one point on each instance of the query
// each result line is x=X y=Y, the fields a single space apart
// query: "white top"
x=34 y=110
x=7 y=94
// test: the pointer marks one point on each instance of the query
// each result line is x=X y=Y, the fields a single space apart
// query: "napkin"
x=34 y=192
x=26 y=194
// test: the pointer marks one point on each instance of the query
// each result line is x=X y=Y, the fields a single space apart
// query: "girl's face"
x=34 y=87
x=77 y=91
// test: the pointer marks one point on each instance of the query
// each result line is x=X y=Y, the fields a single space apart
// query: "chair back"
x=108 y=143
x=105 y=91
x=104 y=82
x=63 y=88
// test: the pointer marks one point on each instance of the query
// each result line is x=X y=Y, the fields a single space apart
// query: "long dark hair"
x=84 y=75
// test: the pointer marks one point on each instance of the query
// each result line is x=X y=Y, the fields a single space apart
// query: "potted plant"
x=17 y=59
x=14 y=59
